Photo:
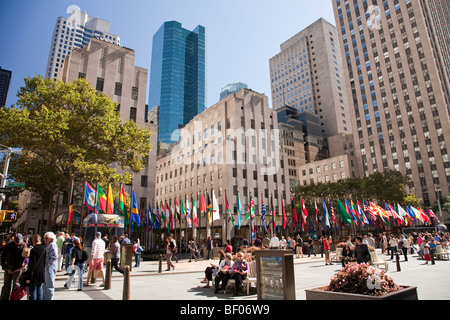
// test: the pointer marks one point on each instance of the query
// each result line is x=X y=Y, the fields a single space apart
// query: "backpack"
x=84 y=255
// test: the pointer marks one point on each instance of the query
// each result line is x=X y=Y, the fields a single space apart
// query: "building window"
x=100 y=83
x=134 y=93
x=118 y=89
x=144 y=181
x=133 y=112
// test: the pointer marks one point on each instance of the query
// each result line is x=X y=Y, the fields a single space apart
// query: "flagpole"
x=225 y=216
x=70 y=206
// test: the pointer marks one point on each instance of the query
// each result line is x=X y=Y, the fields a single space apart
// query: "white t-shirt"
x=98 y=249
x=274 y=242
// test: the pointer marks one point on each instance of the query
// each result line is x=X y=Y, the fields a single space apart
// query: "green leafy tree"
x=412 y=200
x=70 y=131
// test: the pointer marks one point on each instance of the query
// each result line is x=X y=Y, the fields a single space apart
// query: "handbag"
x=18 y=293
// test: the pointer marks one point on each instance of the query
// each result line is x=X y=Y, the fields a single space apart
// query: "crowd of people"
x=30 y=264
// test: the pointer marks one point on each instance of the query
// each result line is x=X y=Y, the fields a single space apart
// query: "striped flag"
x=264 y=212
x=188 y=213
x=325 y=214
x=194 y=212
x=333 y=216
x=229 y=211
x=135 y=210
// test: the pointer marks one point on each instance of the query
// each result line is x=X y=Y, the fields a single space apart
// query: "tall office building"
x=75 y=32
x=5 y=80
x=177 y=77
x=396 y=58
x=232 y=149
x=307 y=74
x=231 y=88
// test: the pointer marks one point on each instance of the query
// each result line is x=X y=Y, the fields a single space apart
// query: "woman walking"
x=169 y=252
x=77 y=265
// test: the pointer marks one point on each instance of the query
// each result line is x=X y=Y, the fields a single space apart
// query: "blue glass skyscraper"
x=177 y=77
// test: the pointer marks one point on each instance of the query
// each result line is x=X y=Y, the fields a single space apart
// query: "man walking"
x=51 y=265
x=97 y=253
x=115 y=254
x=13 y=257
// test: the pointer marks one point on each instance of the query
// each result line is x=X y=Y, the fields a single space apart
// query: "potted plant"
x=362 y=282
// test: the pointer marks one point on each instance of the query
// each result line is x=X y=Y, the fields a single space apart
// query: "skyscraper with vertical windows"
x=395 y=55
x=177 y=77
x=75 y=32
x=307 y=74
x=5 y=80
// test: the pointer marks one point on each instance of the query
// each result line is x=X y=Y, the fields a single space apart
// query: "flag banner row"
x=162 y=215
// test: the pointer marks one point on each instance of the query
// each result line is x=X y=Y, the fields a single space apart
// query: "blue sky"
x=241 y=35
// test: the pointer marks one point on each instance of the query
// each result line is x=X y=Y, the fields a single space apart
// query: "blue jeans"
x=36 y=291
x=67 y=260
x=77 y=268
x=49 y=283
x=137 y=257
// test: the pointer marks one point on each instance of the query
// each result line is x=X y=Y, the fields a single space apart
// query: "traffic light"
x=8 y=216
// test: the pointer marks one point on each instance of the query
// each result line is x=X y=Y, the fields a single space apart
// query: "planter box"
x=407 y=293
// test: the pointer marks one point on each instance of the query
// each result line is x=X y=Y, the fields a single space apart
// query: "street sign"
x=16 y=184
x=5 y=190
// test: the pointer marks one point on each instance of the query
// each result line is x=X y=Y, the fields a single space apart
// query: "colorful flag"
x=263 y=215
x=250 y=210
x=325 y=214
x=157 y=218
x=333 y=216
x=425 y=217
x=89 y=197
x=433 y=216
x=110 y=201
x=304 y=212
x=345 y=216
x=239 y=212
x=362 y=215
x=194 y=212
x=383 y=214
x=123 y=209
x=351 y=212
x=69 y=220
x=101 y=198
x=394 y=214
x=294 y=213
x=163 y=215
x=365 y=205
x=403 y=214
x=215 y=208
x=410 y=213
x=272 y=211
x=188 y=213
x=135 y=210
x=202 y=202
x=209 y=209
x=229 y=211
x=284 y=213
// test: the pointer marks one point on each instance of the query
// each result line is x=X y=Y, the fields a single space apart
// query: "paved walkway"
x=183 y=283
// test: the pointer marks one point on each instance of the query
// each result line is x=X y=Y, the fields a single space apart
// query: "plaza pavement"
x=183 y=283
